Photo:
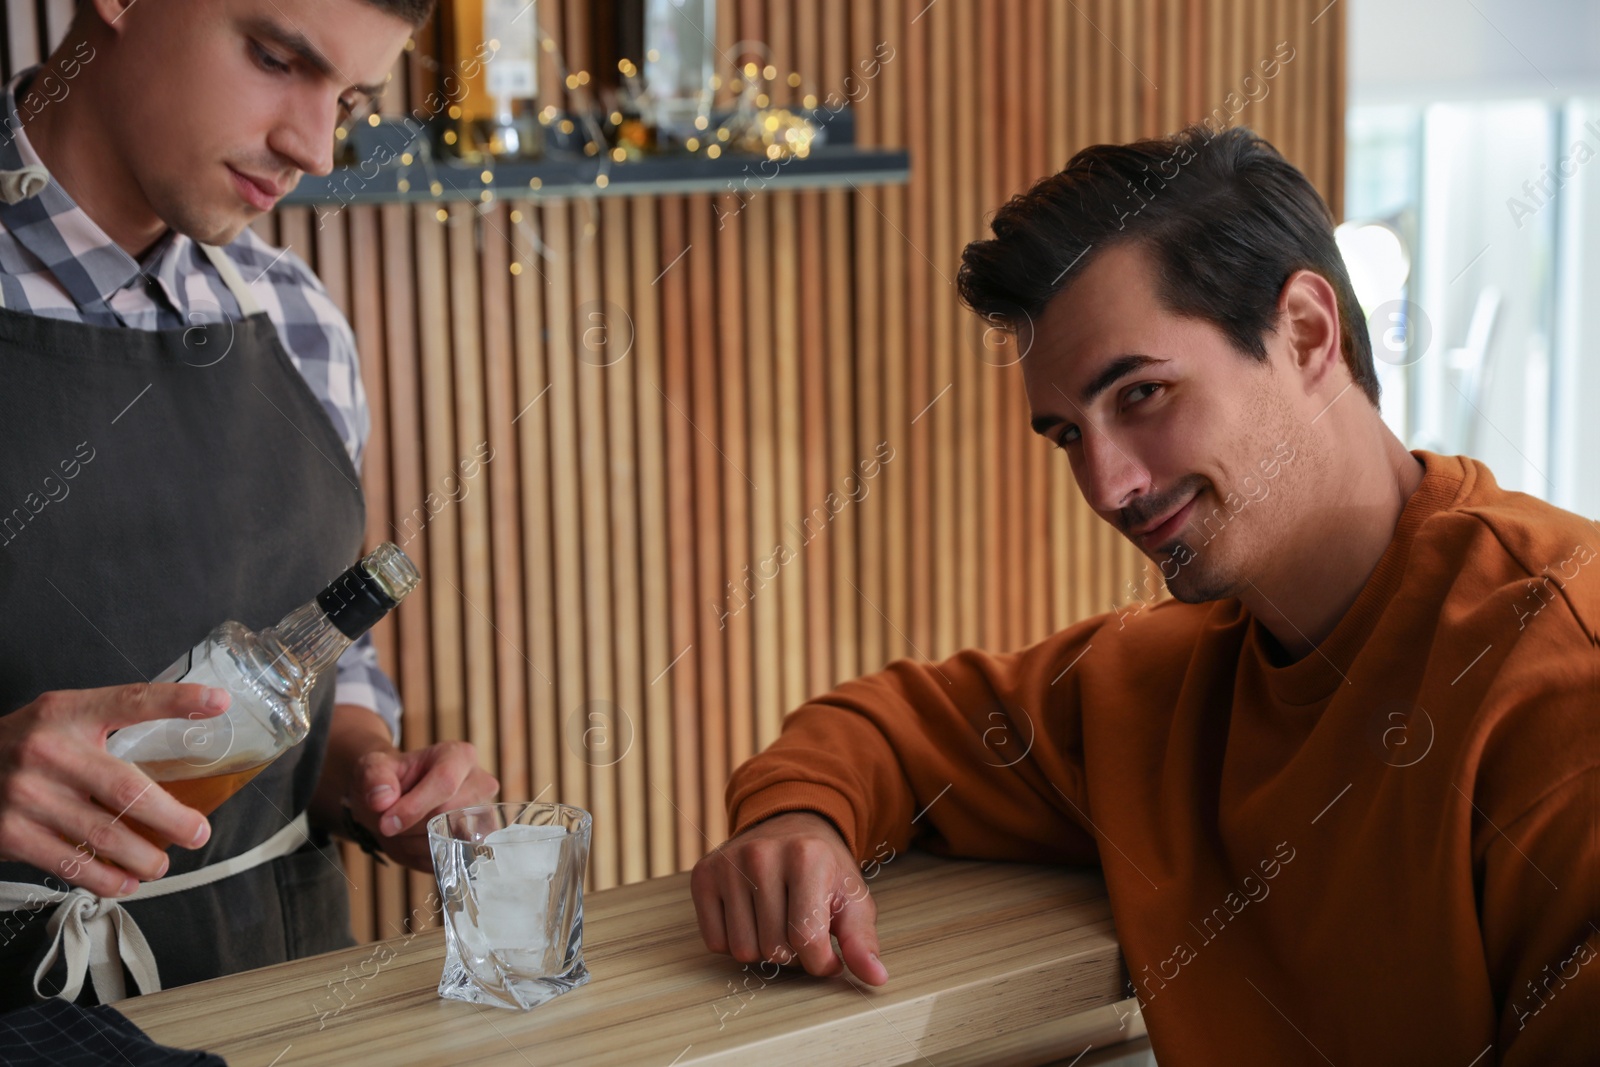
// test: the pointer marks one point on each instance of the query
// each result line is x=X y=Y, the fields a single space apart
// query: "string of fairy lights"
x=752 y=126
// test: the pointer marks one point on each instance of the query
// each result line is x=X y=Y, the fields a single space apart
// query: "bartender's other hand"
x=65 y=803
x=777 y=891
x=394 y=794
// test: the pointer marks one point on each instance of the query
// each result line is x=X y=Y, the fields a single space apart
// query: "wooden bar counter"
x=989 y=963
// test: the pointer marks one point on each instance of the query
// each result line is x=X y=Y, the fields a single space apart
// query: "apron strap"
x=248 y=304
x=18 y=185
x=96 y=934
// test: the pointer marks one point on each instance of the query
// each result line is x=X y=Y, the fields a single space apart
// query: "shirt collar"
x=83 y=258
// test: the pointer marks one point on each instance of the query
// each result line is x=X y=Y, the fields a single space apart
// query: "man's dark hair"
x=1227 y=218
x=415 y=12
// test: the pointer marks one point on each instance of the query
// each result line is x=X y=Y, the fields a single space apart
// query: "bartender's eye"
x=266 y=60
x=1141 y=385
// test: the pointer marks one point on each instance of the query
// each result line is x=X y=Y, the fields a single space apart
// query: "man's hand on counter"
x=392 y=793
x=66 y=804
x=777 y=891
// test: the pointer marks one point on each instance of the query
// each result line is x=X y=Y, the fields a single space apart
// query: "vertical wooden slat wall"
x=681 y=520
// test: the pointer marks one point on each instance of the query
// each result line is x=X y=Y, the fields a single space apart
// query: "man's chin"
x=1195 y=594
x=1194 y=582
x=218 y=233
x=210 y=227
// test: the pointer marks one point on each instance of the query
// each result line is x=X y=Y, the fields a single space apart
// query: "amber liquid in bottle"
x=269 y=676
x=492 y=58
x=204 y=795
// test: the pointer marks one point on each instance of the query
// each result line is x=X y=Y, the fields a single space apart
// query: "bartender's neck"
x=72 y=138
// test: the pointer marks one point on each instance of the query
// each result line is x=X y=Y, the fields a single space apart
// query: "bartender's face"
x=229 y=102
x=1199 y=437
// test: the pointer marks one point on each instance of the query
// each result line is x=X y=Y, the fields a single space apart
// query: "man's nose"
x=304 y=137
x=1107 y=475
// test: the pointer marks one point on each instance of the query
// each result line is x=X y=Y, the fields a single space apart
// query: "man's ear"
x=110 y=12
x=1308 y=315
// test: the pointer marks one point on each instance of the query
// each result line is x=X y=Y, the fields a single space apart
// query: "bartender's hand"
x=394 y=793
x=65 y=803
x=776 y=892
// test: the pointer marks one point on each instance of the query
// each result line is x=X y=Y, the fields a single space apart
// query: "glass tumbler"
x=511 y=885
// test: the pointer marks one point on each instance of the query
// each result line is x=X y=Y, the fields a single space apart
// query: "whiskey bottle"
x=495 y=46
x=269 y=674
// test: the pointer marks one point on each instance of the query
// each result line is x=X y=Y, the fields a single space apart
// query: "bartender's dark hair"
x=1227 y=217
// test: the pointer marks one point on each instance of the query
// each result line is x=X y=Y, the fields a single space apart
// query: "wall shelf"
x=565 y=171
x=552 y=178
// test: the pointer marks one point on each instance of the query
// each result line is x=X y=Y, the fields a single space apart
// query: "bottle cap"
x=358 y=598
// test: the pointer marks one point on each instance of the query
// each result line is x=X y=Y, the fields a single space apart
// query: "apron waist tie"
x=18 y=185
x=97 y=934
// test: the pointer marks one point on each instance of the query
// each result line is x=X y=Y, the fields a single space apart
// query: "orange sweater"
x=1387 y=851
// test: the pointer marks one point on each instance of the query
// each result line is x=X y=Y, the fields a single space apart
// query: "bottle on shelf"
x=494 y=50
x=269 y=674
x=679 y=64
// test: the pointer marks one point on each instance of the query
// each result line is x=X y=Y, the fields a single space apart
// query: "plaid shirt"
x=59 y=263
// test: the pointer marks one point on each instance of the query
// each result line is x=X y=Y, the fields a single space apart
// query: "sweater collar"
x=1446 y=480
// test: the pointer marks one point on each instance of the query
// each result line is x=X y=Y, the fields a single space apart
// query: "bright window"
x=1481 y=329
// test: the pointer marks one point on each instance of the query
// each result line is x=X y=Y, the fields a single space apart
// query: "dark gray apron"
x=152 y=485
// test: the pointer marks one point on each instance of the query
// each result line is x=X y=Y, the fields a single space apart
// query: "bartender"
x=181 y=428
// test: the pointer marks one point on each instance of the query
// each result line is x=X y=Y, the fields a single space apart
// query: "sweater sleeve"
x=1541 y=924
x=978 y=756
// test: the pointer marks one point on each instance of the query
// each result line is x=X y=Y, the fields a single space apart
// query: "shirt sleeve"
x=315 y=334
x=323 y=347
x=1541 y=925
x=979 y=756
x=360 y=680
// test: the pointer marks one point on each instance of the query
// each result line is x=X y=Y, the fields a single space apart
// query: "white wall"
x=1487 y=79
x=1417 y=50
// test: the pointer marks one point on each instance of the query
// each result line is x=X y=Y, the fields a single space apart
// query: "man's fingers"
x=798 y=889
x=856 y=928
x=478 y=787
x=771 y=902
x=432 y=790
x=707 y=894
x=811 y=905
x=411 y=772
x=744 y=944
x=123 y=705
x=108 y=838
x=125 y=792
x=451 y=767
x=75 y=865
x=378 y=782
x=481 y=786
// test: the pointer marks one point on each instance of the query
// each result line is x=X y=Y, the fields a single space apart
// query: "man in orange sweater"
x=1344 y=785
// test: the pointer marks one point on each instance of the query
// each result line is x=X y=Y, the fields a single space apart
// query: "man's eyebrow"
x=1112 y=373
x=297 y=43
